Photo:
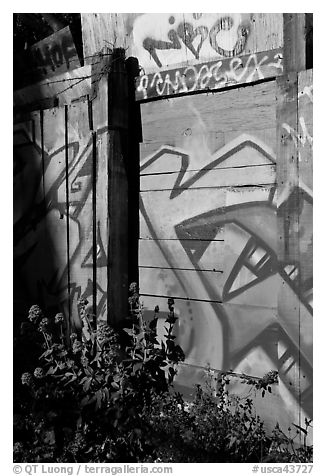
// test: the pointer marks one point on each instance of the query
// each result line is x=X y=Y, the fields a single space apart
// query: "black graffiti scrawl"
x=245 y=298
x=41 y=216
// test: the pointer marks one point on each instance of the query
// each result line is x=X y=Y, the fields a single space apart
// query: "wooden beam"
x=294 y=33
x=117 y=190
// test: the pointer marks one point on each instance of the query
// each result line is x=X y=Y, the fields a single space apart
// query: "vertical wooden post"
x=118 y=189
x=297 y=57
x=294 y=34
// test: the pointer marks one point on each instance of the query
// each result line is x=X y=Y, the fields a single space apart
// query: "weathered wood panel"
x=226 y=186
x=205 y=123
x=55 y=222
x=182 y=52
x=228 y=177
x=102 y=137
x=80 y=198
x=294 y=31
x=295 y=231
x=172 y=215
x=28 y=209
x=211 y=75
x=83 y=203
x=150 y=256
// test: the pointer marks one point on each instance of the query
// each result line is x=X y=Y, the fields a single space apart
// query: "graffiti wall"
x=226 y=229
x=184 y=52
x=60 y=207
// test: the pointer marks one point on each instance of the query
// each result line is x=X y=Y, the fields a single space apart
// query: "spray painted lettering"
x=214 y=75
x=186 y=32
x=167 y=38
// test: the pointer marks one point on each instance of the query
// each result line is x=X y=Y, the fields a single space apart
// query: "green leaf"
x=137 y=366
x=98 y=396
x=87 y=384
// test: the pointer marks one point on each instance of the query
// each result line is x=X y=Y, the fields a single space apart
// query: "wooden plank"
x=55 y=243
x=304 y=137
x=166 y=41
x=196 y=213
x=162 y=253
x=288 y=181
x=118 y=192
x=100 y=121
x=65 y=87
x=118 y=239
x=80 y=198
x=243 y=280
x=294 y=25
x=210 y=75
x=201 y=124
x=186 y=284
x=28 y=214
x=304 y=142
x=260 y=175
x=101 y=30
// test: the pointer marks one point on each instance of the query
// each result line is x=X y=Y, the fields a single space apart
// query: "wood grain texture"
x=209 y=76
x=294 y=26
x=55 y=221
x=159 y=40
x=259 y=175
x=305 y=126
x=100 y=119
x=150 y=254
x=118 y=157
x=190 y=210
x=200 y=125
x=295 y=231
x=118 y=240
x=80 y=199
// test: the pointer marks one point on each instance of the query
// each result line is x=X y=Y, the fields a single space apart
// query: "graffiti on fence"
x=40 y=230
x=210 y=75
x=166 y=38
x=302 y=136
x=249 y=326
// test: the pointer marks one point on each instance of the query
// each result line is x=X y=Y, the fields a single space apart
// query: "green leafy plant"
x=92 y=388
x=105 y=395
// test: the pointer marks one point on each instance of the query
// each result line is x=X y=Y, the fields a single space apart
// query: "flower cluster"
x=38 y=372
x=59 y=318
x=27 y=379
x=35 y=313
x=105 y=334
x=84 y=361
x=77 y=346
x=44 y=324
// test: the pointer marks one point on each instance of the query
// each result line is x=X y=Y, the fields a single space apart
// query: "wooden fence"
x=71 y=201
x=225 y=182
